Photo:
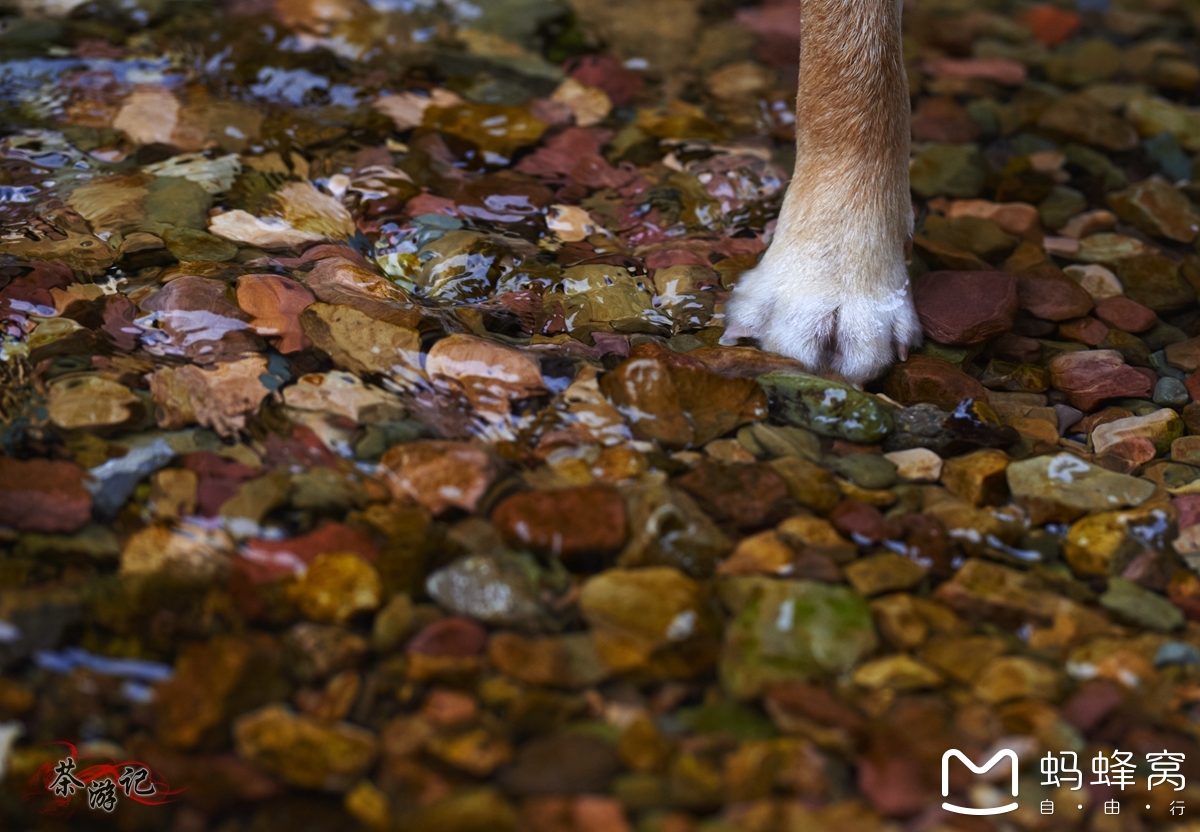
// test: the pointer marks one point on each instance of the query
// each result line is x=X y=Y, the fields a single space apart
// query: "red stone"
x=861 y=521
x=1192 y=383
x=1047 y=293
x=1091 y=376
x=1150 y=375
x=266 y=560
x=42 y=495
x=1095 y=701
x=458 y=637
x=220 y=479
x=1138 y=450
x=1188 y=509
x=1085 y=330
x=1125 y=314
x=924 y=378
x=564 y=522
x=889 y=778
x=1050 y=25
x=966 y=307
x=620 y=83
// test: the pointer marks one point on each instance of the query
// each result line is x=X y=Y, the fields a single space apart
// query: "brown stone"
x=566 y=522
x=1154 y=280
x=744 y=362
x=940 y=119
x=924 y=378
x=438 y=475
x=748 y=497
x=276 y=303
x=42 y=495
x=564 y=764
x=568 y=661
x=213 y=683
x=1047 y=293
x=1016 y=348
x=677 y=401
x=1184 y=355
x=1086 y=330
x=965 y=307
x=1157 y=207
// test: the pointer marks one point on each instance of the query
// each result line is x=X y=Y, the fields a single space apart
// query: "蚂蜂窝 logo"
x=965 y=810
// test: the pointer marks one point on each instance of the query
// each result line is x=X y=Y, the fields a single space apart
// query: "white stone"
x=1096 y=280
x=916 y=464
x=1160 y=427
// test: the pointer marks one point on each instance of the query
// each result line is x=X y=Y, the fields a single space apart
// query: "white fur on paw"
x=825 y=322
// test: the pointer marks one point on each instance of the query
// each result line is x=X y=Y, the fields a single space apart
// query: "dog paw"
x=853 y=324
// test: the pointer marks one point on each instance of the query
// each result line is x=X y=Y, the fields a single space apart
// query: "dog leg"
x=832 y=290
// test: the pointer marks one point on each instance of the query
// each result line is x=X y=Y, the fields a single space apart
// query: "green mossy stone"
x=788 y=630
x=826 y=407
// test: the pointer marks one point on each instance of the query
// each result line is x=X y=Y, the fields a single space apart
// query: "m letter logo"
x=963 y=810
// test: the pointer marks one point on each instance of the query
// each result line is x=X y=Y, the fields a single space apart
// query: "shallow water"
x=371 y=456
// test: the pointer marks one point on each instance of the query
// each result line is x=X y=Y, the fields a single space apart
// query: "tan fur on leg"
x=832 y=289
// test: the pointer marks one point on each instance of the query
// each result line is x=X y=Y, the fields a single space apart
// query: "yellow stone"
x=478 y=752
x=496 y=128
x=878 y=497
x=899 y=672
x=185 y=551
x=899 y=622
x=369 y=806
x=807 y=483
x=764 y=552
x=174 y=493
x=89 y=401
x=977 y=478
x=962 y=657
x=884 y=572
x=635 y=613
x=642 y=747
x=361 y=344
x=1016 y=677
x=303 y=751
x=1101 y=544
x=804 y=531
x=337 y=586
x=1038 y=429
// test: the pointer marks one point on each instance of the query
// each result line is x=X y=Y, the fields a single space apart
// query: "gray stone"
x=1170 y=392
x=1176 y=652
x=495 y=589
x=113 y=482
x=867 y=470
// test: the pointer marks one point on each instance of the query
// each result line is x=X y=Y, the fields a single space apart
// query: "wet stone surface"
x=373 y=458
